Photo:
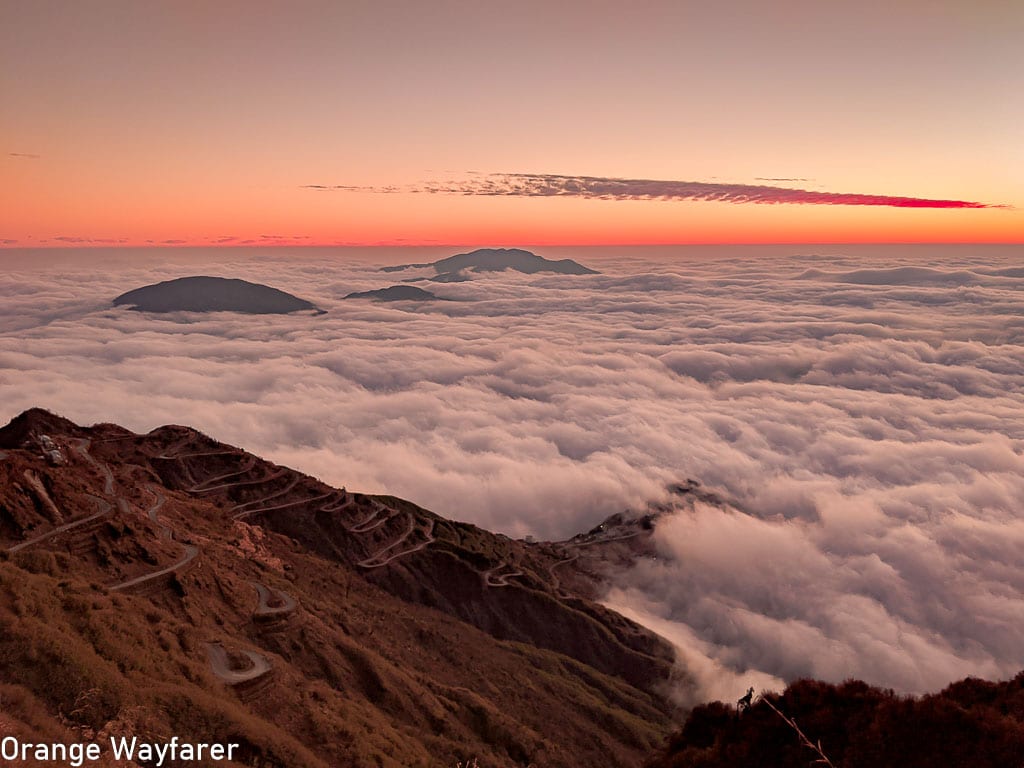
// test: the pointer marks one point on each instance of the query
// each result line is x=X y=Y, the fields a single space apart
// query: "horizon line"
x=634 y=244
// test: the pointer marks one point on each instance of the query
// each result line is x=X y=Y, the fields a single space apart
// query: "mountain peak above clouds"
x=397 y=293
x=496 y=260
x=212 y=294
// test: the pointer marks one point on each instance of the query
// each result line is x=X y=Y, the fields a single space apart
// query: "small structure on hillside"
x=51 y=451
x=744 y=701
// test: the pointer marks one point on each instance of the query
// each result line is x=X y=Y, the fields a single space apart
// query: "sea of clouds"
x=861 y=410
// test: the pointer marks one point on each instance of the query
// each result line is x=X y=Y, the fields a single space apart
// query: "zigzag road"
x=65 y=528
x=429 y=537
x=558 y=582
x=255 y=481
x=249 y=463
x=276 y=495
x=165 y=532
x=374 y=520
x=221 y=665
x=190 y=549
x=82 y=449
x=347 y=500
x=601 y=541
x=580 y=545
x=296 y=503
x=490 y=580
x=219 y=660
x=264 y=608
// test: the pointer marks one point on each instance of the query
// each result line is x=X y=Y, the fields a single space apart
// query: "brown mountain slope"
x=168 y=584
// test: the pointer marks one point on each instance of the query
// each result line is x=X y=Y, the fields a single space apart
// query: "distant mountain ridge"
x=212 y=294
x=495 y=260
x=397 y=293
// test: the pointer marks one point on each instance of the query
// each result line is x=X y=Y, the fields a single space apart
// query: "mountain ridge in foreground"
x=169 y=584
x=201 y=293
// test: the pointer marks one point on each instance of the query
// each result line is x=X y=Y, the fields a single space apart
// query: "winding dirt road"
x=380 y=513
x=346 y=501
x=254 y=481
x=221 y=665
x=107 y=509
x=490 y=580
x=190 y=549
x=266 y=595
x=190 y=455
x=374 y=520
x=190 y=553
x=554 y=577
x=609 y=540
x=249 y=463
x=151 y=513
x=571 y=558
x=429 y=537
x=275 y=495
x=81 y=446
x=295 y=503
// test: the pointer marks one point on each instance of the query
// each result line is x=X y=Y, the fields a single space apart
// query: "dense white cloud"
x=866 y=421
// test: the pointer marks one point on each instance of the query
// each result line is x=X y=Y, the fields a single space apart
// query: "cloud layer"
x=866 y=420
x=606 y=188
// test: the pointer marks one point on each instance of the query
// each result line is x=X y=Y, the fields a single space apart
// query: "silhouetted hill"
x=971 y=724
x=396 y=293
x=169 y=584
x=453 y=268
x=212 y=294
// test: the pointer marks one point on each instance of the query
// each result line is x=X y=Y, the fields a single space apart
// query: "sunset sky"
x=577 y=122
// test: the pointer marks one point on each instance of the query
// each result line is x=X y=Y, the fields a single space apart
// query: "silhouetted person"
x=744 y=702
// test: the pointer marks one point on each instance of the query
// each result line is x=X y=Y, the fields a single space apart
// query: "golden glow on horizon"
x=304 y=217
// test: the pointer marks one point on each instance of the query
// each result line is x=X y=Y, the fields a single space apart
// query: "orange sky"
x=203 y=123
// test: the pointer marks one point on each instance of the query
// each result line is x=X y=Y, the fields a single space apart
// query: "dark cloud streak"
x=607 y=188
x=74 y=240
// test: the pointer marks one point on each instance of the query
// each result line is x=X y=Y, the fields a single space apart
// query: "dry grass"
x=816 y=747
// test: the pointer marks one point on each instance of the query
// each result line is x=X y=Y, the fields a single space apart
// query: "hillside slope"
x=169 y=584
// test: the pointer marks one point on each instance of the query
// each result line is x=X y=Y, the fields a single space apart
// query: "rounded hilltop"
x=212 y=294
x=455 y=268
x=517 y=259
x=396 y=293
